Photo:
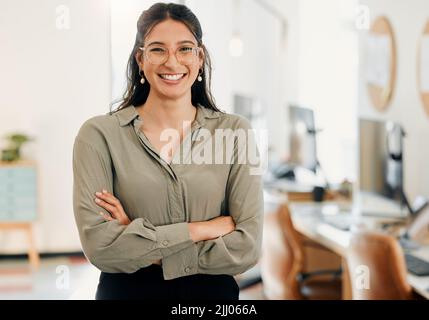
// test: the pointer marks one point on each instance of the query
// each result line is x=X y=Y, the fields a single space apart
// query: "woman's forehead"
x=178 y=43
x=170 y=32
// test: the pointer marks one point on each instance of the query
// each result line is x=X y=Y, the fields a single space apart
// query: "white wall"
x=408 y=19
x=328 y=80
x=123 y=16
x=52 y=80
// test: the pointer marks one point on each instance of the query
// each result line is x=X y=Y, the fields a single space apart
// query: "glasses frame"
x=195 y=49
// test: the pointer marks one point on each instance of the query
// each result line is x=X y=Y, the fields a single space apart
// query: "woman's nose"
x=171 y=60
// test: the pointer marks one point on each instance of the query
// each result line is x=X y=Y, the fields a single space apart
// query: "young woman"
x=157 y=223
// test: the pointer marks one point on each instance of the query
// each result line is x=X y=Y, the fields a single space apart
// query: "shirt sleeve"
x=108 y=245
x=239 y=250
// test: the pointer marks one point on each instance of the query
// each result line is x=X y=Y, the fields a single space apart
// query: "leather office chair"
x=383 y=263
x=283 y=262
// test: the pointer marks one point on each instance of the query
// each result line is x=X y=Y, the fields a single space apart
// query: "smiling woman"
x=158 y=228
x=162 y=68
x=161 y=32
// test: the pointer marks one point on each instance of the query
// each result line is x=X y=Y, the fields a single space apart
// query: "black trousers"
x=148 y=284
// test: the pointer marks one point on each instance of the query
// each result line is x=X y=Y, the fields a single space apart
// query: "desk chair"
x=283 y=263
x=385 y=263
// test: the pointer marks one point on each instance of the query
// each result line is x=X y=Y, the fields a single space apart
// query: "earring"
x=142 y=80
x=200 y=78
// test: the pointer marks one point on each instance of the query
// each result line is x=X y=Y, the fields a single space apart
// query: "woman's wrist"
x=194 y=231
x=198 y=231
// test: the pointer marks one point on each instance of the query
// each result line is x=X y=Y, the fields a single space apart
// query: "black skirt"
x=148 y=284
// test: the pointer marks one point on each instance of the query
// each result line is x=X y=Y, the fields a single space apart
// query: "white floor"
x=56 y=279
x=63 y=279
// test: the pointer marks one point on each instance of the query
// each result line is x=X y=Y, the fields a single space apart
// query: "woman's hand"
x=107 y=201
x=212 y=229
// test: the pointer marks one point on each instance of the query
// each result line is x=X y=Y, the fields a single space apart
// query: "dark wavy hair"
x=136 y=93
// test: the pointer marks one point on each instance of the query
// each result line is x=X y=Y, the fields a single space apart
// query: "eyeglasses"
x=186 y=54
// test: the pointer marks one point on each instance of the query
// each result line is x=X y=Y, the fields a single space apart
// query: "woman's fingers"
x=105 y=205
x=107 y=201
x=106 y=216
x=108 y=197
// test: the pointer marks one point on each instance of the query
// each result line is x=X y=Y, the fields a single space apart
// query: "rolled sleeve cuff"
x=183 y=263
x=172 y=238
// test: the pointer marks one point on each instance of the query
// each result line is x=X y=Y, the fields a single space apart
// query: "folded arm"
x=109 y=245
x=238 y=251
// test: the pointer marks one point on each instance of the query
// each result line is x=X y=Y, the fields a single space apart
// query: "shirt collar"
x=128 y=114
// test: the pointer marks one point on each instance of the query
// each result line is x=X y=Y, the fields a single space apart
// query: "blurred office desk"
x=297 y=191
x=314 y=220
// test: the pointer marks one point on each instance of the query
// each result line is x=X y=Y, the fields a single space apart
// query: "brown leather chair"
x=283 y=262
x=383 y=263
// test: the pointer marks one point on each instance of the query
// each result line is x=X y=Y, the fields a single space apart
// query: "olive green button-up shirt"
x=111 y=152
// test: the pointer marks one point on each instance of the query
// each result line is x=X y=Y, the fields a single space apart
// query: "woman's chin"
x=172 y=94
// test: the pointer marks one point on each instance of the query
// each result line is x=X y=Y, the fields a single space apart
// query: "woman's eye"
x=157 y=50
x=186 y=49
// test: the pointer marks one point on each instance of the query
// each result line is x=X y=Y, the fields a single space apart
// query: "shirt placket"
x=146 y=144
x=175 y=192
x=181 y=165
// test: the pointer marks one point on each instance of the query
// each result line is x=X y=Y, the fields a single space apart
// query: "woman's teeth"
x=172 y=76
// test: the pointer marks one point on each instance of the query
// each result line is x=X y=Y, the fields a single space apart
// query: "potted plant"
x=13 y=151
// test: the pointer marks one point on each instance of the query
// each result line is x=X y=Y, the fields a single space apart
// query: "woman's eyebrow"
x=180 y=42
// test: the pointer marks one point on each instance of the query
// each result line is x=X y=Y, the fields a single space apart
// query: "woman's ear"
x=201 y=56
x=139 y=58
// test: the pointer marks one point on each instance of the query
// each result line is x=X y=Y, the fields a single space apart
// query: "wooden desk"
x=296 y=191
x=308 y=220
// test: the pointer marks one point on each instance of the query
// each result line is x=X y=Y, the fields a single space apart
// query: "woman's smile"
x=172 y=78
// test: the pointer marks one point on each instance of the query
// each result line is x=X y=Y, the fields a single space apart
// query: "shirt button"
x=187 y=269
x=165 y=243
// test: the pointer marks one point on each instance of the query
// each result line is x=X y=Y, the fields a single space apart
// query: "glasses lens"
x=156 y=55
x=186 y=54
x=159 y=55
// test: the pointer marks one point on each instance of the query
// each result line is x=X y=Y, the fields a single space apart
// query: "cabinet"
x=19 y=201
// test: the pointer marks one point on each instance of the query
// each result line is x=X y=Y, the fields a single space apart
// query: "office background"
x=307 y=52
x=64 y=76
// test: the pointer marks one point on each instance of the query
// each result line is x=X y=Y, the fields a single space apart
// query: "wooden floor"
x=253 y=293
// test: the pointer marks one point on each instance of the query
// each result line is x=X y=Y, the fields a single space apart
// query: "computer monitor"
x=303 y=151
x=250 y=108
x=381 y=165
x=244 y=106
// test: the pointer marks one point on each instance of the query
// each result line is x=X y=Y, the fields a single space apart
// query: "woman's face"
x=171 y=35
